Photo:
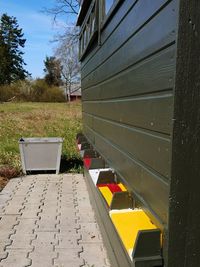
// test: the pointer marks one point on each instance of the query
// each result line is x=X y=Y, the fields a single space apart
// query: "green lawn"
x=38 y=120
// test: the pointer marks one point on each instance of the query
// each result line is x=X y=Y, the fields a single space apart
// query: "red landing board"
x=113 y=187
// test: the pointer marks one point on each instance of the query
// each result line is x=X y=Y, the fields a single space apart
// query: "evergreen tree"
x=53 y=71
x=11 y=41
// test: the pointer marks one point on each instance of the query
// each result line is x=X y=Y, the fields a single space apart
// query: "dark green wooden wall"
x=141 y=111
x=127 y=88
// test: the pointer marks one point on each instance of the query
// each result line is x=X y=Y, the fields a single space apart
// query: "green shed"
x=140 y=64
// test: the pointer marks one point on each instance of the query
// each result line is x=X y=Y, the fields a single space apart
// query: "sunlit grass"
x=38 y=120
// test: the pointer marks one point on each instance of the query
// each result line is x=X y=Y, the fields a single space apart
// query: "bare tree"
x=67 y=54
x=67 y=43
x=64 y=7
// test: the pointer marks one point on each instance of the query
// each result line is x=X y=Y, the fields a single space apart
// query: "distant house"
x=75 y=93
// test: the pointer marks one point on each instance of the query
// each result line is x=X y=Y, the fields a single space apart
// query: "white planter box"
x=40 y=153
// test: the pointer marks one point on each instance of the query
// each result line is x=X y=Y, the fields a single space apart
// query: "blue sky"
x=38 y=29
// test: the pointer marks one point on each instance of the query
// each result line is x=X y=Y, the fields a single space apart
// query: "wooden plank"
x=156 y=71
x=156 y=35
x=152 y=75
x=138 y=14
x=149 y=148
x=184 y=212
x=156 y=116
x=88 y=121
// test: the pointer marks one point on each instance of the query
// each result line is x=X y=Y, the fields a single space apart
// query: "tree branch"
x=63 y=7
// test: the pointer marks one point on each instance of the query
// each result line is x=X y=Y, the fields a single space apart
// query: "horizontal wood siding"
x=152 y=150
x=147 y=185
x=129 y=14
x=130 y=111
x=151 y=75
x=127 y=87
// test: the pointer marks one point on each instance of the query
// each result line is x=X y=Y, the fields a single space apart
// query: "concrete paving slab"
x=47 y=220
x=8 y=222
x=87 y=216
x=68 y=239
x=26 y=226
x=12 y=185
x=4 y=235
x=43 y=257
x=30 y=214
x=68 y=258
x=13 y=209
x=4 y=244
x=16 y=258
x=44 y=239
x=3 y=255
x=20 y=241
x=89 y=255
x=90 y=233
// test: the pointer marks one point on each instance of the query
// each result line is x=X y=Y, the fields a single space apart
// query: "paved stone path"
x=47 y=220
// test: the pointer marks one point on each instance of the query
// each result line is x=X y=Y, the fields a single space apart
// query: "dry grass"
x=37 y=120
x=3 y=182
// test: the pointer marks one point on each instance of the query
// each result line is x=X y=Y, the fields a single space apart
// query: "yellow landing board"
x=128 y=224
x=122 y=187
x=105 y=191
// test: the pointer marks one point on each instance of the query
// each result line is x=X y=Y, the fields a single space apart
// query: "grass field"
x=37 y=120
